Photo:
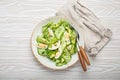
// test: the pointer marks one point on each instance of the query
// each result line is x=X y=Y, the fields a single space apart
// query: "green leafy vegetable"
x=57 y=42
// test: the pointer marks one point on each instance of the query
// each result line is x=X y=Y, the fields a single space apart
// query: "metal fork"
x=82 y=54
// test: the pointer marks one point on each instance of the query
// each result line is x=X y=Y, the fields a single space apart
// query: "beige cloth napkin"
x=96 y=35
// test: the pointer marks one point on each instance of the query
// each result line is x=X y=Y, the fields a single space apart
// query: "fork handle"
x=84 y=55
x=82 y=61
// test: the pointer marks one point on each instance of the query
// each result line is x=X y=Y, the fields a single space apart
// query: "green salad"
x=57 y=42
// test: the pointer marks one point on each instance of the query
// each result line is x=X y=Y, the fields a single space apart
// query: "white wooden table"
x=18 y=18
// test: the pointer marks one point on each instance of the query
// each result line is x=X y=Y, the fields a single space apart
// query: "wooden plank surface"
x=18 y=18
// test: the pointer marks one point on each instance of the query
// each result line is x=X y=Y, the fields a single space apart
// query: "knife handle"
x=82 y=61
x=84 y=55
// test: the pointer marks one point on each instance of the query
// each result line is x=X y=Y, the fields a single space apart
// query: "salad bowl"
x=44 y=60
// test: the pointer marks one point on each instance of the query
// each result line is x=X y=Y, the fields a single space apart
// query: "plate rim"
x=34 y=52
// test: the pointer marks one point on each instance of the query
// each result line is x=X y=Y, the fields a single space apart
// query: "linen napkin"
x=96 y=35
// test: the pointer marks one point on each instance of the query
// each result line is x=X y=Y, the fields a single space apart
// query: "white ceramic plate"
x=44 y=60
